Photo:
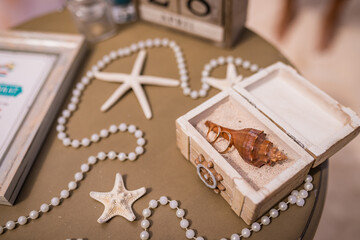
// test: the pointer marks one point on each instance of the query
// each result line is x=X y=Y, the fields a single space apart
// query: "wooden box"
x=300 y=119
x=220 y=21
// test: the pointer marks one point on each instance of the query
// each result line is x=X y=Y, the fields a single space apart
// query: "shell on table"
x=251 y=144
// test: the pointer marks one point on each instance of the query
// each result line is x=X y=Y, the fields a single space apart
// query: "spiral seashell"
x=251 y=144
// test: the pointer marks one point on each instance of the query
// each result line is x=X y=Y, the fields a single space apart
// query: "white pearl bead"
x=131 y=128
x=138 y=134
x=34 y=214
x=112 y=155
x=122 y=156
x=92 y=160
x=308 y=178
x=292 y=199
x=184 y=78
x=55 y=201
x=246 y=64
x=186 y=91
x=254 y=68
x=72 y=185
x=44 y=208
x=204 y=73
x=153 y=204
x=308 y=186
x=95 y=137
x=184 y=85
x=274 y=213
x=172 y=44
x=74 y=100
x=106 y=59
x=283 y=206
x=85 y=142
x=235 y=237
x=141 y=44
x=144 y=235
x=256 y=227
x=66 y=113
x=149 y=43
x=85 y=80
x=22 y=220
x=300 y=202
x=123 y=127
x=146 y=212
x=229 y=59
x=60 y=128
x=1 y=230
x=90 y=74
x=213 y=63
x=173 y=204
x=76 y=92
x=202 y=92
x=72 y=107
x=101 y=156
x=66 y=141
x=61 y=135
x=104 y=133
x=133 y=47
x=295 y=193
x=61 y=120
x=145 y=224
x=180 y=213
x=194 y=94
x=303 y=193
x=165 y=42
x=163 y=200
x=120 y=52
x=221 y=60
x=113 y=55
x=10 y=225
x=139 y=150
x=78 y=176
x=238 y=61
x=184 y=223
x=132 y=156
x=190 y=234
x=200 y=238
x=183 y=72
x=265 y=220
x=207 y=67
x=113 y=128
x=205 y=86
x=75 y=143
x=157 y=42
x=180 y=59
x=64 y=194
x=84 y=167
x=245 y=232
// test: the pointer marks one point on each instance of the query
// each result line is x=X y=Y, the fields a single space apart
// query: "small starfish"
x=134 y=81
x=231 y=78
x=118 y=201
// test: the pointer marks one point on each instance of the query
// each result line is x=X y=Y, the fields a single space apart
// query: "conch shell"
x=250 y=143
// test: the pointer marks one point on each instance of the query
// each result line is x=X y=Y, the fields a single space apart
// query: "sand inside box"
x=229 y=113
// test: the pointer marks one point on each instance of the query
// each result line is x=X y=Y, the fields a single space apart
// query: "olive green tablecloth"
x=162 y=169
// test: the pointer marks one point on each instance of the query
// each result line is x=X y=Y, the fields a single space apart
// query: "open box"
x=301 y=120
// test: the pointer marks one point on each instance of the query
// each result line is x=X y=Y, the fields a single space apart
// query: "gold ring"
x=217 y=135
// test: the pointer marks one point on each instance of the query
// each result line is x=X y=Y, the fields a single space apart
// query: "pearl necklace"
x=296 y=197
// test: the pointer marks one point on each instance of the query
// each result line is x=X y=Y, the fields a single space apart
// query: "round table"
x=162 y=169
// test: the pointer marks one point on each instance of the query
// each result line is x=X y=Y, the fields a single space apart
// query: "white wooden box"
x=300 y=119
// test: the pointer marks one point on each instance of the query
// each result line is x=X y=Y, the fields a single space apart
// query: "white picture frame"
x=21 y=152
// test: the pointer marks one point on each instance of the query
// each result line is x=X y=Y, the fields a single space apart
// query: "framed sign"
x=35 y=73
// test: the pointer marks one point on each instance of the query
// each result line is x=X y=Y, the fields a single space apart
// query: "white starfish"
x=231 y=78
x=134 y=81
x=118 y=201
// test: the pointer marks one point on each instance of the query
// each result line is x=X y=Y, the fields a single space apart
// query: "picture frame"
x=67 y=51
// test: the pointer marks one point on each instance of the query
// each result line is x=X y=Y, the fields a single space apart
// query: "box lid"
x=314 y=120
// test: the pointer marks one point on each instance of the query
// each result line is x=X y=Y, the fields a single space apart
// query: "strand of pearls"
x=72 y=185
x=296 y=197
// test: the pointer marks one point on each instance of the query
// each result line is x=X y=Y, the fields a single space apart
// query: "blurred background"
x=327 y=56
